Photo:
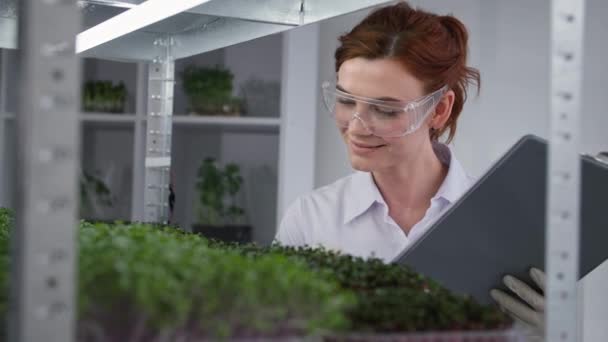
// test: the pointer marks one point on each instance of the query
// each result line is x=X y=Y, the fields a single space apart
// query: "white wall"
x=514 y=64
x=257 y=156
x=11 y=80
x=509 y=43
x=263 y=62
x=7 y=130
x=190 y=146
x=255 y=153
x=107 y=153
x=8 y=156
x=258 y=58
x=299 y=94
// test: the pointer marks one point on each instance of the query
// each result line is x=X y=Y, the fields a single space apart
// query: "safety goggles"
x=387 y=119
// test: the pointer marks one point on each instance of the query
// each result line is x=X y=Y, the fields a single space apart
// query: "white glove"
x=530 y=312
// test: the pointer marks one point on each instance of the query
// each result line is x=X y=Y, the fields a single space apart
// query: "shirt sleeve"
x=291 y=232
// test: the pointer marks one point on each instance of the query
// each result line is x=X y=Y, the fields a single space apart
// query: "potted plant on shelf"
x=210 y=91
x=104 y=96
x=219 y=216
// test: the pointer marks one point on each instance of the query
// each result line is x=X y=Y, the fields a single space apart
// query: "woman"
x=402 y=81
x=401 y=84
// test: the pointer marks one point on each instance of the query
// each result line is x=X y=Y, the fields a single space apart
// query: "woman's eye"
x=346 y=102
x=385 y=111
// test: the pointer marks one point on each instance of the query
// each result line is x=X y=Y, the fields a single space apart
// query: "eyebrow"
x=384 y=98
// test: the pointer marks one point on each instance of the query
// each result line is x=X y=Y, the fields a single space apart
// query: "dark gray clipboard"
x=497 y=227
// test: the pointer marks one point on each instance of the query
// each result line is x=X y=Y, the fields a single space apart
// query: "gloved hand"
x=532 y=314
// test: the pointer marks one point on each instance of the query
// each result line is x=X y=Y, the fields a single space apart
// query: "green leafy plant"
x=218 y=188
x=104 y=96
x=6 y=222
x=142 y=282
x=389 y=297
x=210 y=90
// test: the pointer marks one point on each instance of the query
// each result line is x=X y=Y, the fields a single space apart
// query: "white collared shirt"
x=351 y=216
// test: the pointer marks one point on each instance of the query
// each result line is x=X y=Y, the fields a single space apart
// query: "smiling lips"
x=364 y=148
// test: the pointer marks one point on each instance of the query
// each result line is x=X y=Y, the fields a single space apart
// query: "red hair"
x=432 y=47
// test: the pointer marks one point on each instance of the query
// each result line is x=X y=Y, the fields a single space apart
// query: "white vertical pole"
x=139 y=144
x=44 y=240
x=563 y=188
x=4 y=195
x=299 y=102
x=3 y=80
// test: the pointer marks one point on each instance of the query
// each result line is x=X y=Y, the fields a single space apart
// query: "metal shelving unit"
x=159 y=32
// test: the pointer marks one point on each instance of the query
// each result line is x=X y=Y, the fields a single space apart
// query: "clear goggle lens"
x=381 y=118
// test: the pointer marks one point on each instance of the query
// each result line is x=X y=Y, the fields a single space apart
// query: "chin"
x=362 y=164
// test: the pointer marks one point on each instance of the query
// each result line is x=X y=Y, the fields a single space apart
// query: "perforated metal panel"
x=158 y=132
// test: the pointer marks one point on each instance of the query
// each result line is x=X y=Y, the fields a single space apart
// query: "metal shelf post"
x=563 y=190
x=43 y=270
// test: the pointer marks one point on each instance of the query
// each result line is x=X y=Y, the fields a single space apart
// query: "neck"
x=411 y=185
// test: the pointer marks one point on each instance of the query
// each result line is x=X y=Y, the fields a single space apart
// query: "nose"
x=357 y=126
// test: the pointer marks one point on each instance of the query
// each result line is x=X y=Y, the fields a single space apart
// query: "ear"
x=443 y=110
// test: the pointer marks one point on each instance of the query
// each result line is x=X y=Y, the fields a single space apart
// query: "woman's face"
x=380 y=79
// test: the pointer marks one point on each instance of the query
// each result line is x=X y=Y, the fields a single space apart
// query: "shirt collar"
x=456 y=181
x=362 y=192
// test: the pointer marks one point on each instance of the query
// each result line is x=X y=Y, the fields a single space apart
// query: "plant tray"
x=508 y=335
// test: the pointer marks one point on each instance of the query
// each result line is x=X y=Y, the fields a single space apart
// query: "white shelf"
x=7 y=116
x=111 y=118
x=108 y=118
x=230 y=122
x=196 y=26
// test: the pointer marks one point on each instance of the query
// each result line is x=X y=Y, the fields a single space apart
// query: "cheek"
x=392 y=141
x=404 y=147
x=397 y=149
x=395 y=146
